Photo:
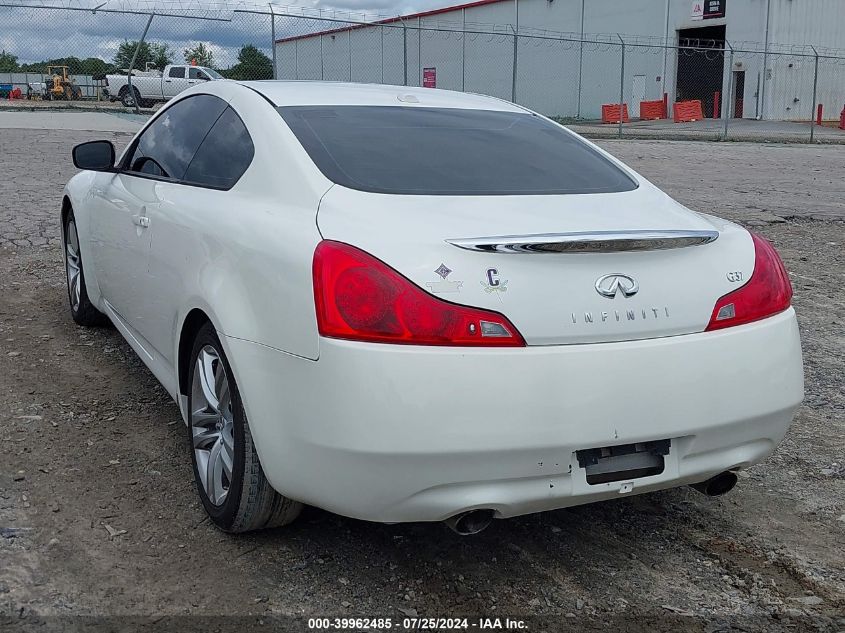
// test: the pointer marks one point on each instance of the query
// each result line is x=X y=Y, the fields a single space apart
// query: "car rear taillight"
x=768 y=292
x=360 y=298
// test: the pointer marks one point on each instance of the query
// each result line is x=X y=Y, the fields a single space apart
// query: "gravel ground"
x=99 y=517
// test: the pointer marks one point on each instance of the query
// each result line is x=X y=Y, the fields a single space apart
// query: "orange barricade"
x=652 y=110
x=610 y=113
x=687 y=111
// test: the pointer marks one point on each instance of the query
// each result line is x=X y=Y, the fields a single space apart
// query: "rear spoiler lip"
x=587 y=242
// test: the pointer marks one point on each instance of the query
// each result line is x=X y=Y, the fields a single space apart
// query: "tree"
x=156 y=54
x=8 y=62
x=161 y=55
x=252 y=64
x=95 y=67
x=199 y=55
x=90 y=66
x=126 y=50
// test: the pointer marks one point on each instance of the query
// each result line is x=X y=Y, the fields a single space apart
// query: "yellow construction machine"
x=59 y=85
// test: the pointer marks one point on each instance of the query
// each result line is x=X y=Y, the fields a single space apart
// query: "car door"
x=121 y=222
x=175 y=81
x=196 y=75
x=119 y=238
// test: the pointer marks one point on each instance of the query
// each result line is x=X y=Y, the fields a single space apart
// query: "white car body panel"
x=402 y=433
x=399 y=433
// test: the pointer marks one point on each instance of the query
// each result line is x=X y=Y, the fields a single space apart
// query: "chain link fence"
x=603 y=85
x=63 y=54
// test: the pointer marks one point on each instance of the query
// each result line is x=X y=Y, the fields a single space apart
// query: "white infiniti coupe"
x=404 y=304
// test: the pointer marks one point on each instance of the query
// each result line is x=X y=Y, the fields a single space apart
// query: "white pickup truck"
x=150 y=87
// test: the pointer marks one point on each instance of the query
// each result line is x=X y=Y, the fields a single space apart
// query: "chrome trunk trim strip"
x=586 y=242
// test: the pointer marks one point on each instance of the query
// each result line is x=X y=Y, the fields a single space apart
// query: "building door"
x=637 y=94
x=739 y=93
x=701 y=61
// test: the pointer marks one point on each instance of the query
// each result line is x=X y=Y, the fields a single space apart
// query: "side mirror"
x=94 y=156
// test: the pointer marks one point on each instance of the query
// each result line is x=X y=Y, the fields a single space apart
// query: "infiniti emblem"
x=610 y=285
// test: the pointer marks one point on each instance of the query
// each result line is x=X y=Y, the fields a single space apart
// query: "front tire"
x=231 y=483
x=81 y=308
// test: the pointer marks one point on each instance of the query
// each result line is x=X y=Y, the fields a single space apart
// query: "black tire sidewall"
x=85 y=314
x=224 y=515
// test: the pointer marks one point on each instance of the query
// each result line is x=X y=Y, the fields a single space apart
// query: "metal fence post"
x=381 y=32
x=404 y=54
x=513 y=68
x=815 y=93
x=296 y=59
x=621 y=86
x=463 y=49
x=273 y=40
x=726 y=111
x=132 y=64
x=419 y=53
x=580 y=60
x=349 y=42
x=761 y=112
x=322 y=60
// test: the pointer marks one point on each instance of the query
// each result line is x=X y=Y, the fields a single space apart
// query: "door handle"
x=167 y=81
x=141 y=220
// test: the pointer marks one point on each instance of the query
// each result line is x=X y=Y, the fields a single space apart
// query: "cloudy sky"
x=36 y=34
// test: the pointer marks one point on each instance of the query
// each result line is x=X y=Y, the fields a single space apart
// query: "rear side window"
x=448 y=151
x=177 y=72
x=224 y=155
x=166 y=147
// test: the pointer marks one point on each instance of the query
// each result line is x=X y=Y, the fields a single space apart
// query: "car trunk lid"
x=565 y=269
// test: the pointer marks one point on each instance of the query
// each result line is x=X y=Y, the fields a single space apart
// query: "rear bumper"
x=399 y=433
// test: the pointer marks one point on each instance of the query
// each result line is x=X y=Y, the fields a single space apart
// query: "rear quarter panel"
x=243 y=256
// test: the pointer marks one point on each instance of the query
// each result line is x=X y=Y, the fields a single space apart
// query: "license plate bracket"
x=624 y=461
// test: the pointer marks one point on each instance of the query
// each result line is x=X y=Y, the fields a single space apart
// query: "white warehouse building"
x=745 y=58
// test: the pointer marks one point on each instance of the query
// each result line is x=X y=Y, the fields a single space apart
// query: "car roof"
x=298 y=93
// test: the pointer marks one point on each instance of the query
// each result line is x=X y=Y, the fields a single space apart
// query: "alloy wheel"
x=212 y=425
x=73 y=264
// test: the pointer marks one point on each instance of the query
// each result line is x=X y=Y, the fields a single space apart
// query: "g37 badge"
x=494 y=283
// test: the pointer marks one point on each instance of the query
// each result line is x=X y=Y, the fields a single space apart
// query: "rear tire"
x=230 y=481
x=127 y=98
x=81 y=308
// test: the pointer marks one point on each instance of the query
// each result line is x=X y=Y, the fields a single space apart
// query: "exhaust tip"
x=718 y=485
x=471 y=522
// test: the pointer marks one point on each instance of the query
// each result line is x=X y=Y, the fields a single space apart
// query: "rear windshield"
x=446 y=151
